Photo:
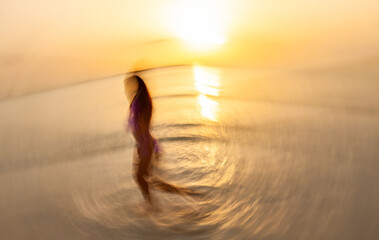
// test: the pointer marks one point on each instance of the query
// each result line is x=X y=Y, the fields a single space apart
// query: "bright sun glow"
x=199 y=23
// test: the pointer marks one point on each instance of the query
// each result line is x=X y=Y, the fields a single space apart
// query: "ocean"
x=275 y=154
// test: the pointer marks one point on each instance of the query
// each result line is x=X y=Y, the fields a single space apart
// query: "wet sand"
x=279 y=156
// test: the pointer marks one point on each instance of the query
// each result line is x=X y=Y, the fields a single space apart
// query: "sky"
x=50 y=44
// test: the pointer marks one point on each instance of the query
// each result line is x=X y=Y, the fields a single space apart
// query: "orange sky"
x=47 y=44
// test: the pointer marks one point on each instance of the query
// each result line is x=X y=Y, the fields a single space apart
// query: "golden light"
x=202 y=24
x=207 y=82
x=209 y=108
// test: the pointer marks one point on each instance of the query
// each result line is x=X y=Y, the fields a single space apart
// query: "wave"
x=83 y=146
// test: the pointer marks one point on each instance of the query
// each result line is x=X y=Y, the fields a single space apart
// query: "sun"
x=199 y=23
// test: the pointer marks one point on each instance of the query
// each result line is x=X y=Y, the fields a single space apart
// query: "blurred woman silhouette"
x=140 y=112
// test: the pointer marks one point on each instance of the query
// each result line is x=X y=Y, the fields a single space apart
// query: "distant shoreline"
x=91 y=80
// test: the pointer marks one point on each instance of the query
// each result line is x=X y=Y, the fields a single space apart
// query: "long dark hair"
x=141 y=105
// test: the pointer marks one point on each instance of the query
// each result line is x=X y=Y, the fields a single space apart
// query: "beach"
x=276 y=154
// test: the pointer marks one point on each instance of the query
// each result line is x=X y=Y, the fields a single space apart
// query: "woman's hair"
x=141 y=105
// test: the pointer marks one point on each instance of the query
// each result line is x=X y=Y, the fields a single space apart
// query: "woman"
x=140 y=112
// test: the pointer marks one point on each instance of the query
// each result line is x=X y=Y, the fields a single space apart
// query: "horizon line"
x=90 y=80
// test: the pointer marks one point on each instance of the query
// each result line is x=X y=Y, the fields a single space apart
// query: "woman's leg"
x=142 y=173
x=161 y=185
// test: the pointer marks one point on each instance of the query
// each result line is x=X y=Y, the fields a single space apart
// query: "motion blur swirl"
x=274 y=156
x=199 y=153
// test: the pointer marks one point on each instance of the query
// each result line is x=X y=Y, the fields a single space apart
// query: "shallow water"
x=277 y=155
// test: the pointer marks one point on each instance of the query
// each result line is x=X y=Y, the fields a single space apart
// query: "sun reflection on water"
x=207 y=82
x=209 y=108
